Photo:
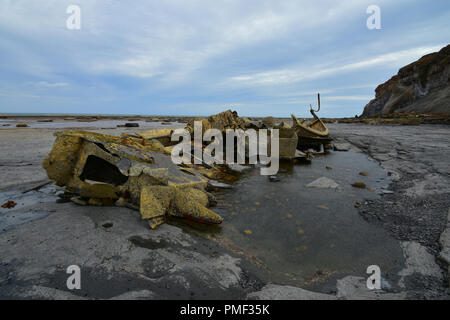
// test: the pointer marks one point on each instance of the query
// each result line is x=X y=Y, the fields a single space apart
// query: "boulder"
x=323 y=183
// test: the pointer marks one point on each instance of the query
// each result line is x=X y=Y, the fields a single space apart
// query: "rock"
x=323 y=183
x=226 y=120
x=277 y=292
x=269 y=122
x=274 y=179
x=360 y=185
x=9 y=204
x=121 y=202
x=21 y=125
x=342 y=146
x=418 y=260
x=213 y=184
x=237 y=167
x=364 y=173
x=78 y=201
x=128 y=125
x=162 y=135
x=283 y=125
x=444 y=242
x=355 y=288
x=95 y=202
x=300 y=155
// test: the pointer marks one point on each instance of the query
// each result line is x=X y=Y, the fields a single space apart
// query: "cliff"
x=422 y=86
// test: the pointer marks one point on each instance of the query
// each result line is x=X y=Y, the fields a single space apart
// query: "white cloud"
x=298 y=74
x=46 y=84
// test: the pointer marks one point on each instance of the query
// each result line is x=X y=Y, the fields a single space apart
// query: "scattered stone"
x=418 y=260
x=21 y=125
x=107 y=224
x=323 y=207
x=269 y=122
x=300 y=155
x=78 y=201
x=213 y=184
x=355 y=288
x=342 y=147
x=62 y=200
x=128 y=125
x=360 y=185
x=323 y=183
x=66 y=195
x=329 y=168
x=274 y=179
x=364 y=173
x=95 y=202
x=237 y=167
x=357 y=204
x=9 y=204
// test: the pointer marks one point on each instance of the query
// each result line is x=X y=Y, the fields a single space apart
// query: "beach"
x=121 y=258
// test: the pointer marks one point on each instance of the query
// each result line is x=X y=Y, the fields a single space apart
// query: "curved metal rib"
x=318 y=100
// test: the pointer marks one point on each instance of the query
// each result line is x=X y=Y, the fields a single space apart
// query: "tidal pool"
x=302 y=235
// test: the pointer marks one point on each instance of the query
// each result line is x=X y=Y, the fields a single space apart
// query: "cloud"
x=298 y=74
x=45 y=84
x=162 y=57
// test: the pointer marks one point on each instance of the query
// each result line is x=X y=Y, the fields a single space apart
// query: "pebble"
x=360 y=185
x=78 y=201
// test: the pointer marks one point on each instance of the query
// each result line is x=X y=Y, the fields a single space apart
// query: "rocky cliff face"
x=422 y=86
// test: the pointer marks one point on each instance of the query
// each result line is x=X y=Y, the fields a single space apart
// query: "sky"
x=195 y=57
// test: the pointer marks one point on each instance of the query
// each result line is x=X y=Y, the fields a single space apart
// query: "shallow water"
x=23 y=212
x=66 y=124
x=301 y=235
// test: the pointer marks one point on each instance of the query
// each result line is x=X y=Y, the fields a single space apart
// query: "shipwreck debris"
x=103 y=169
x=136 y=170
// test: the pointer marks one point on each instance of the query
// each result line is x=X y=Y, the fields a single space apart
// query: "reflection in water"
x=301 y=234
